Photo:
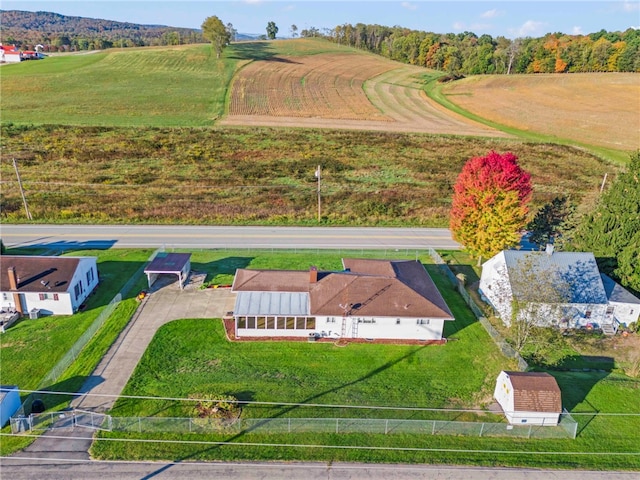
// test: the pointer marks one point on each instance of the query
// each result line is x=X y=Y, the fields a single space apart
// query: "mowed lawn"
x=191 y=357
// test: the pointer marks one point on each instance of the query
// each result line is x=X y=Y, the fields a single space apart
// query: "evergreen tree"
x=612 y=231
x=489 y=207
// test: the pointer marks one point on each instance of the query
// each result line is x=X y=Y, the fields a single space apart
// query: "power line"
x=315 y=405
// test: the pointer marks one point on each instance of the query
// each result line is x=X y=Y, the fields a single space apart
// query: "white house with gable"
x=564 y=289
x=48 y=284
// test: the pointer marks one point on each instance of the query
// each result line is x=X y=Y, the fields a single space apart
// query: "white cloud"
x=628 y=6
x=459 y=26
x=253 y=2
x=289 y=8
x=530 y=28
x=409 y=6
x=577 y=31
x=491 y=13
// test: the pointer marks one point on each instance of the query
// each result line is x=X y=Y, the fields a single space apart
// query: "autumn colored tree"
x=489 y=207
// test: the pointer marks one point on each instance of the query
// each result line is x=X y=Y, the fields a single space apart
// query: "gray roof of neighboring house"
x=616 y=292
x=535 y=392
x=578 y=269
x=367 y=288
x=39 y=273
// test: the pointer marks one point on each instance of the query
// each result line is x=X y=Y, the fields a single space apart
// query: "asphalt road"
x=22 y=469
x=178 y=236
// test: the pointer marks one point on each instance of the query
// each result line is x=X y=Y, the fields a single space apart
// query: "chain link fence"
x=567 y=427
x=506 y=349
x=72 y=354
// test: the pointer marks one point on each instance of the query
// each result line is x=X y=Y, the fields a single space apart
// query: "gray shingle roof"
x=616 y=292
x=578 y=269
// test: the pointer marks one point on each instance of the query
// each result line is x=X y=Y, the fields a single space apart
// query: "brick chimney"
x=313 y=274
x=13 y=279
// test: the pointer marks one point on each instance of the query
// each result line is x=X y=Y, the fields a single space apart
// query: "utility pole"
x=319 y=201
x=24 y=199
x=604 y=180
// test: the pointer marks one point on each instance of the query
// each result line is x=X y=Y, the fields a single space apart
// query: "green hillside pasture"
x=262 y=175
x=153 y=86
x=148 y=86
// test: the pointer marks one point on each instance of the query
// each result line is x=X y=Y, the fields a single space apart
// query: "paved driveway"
x=165 y=303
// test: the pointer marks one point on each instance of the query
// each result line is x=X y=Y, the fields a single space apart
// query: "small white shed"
x=529 y=398
x=9 y=403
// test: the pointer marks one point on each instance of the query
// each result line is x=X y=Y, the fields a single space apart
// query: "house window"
x=42 y=296
x=242 y=322
x=311 y=323
x=422 y=321
x=262 y=321
x=6 y=297
x=55 y=297
x=251 y=322
x=90 y=276
x=76 y=291
x=282 y=323
x=587 y=314
x=397 y=321
x=609 y=310
x=300 y=323
x=271 y=323
x=290 y=323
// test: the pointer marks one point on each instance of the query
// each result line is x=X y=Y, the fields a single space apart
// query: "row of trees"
x=469 y=54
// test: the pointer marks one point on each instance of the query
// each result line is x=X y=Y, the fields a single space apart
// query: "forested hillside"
x=64 y=33
x=469 y=54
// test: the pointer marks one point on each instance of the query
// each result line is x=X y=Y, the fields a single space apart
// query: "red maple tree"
x=489 y=206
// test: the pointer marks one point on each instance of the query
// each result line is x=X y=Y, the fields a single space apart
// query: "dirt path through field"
x=343 y=91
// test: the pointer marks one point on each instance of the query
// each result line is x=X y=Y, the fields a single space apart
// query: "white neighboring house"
x=586 y=303
x=529 y=398
x=624 y=306
x=376 y=299
x=48 y=284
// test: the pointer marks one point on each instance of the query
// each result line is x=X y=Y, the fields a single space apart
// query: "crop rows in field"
x=327 y=86
x=341 y=91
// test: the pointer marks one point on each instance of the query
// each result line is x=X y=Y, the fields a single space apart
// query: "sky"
x=511 y=19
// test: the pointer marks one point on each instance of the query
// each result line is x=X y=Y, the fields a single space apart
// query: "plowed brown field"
x=342 y=90
x=594 y=108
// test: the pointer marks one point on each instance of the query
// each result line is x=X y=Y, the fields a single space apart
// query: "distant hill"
x=64 y=33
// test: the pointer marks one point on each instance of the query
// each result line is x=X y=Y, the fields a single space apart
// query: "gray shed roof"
x=169 y=263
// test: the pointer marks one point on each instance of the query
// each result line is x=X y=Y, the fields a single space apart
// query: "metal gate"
x=93 y=420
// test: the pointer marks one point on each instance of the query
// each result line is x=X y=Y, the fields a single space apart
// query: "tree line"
x=466 y=53
x=60 y=33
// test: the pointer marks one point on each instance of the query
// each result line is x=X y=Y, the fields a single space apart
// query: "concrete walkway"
x=165 y=303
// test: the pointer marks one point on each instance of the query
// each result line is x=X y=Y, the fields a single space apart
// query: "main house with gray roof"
x=564 y=289
x=48 y=284
x=373 y=299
